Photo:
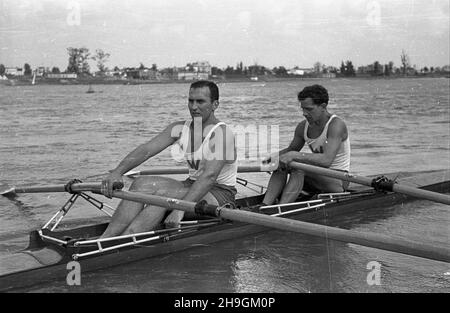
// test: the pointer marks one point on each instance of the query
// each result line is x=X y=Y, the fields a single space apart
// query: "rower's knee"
x=152 y=183
x=147 y=219
x=160 y=186
x=139 y=183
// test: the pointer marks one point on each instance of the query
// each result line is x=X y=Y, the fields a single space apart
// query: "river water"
x=51 y=134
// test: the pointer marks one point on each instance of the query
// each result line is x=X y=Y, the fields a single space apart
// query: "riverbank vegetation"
x=78 y=71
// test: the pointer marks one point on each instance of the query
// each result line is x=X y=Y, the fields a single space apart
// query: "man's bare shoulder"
x=300 y=128
x=222 y=144
x=227 y=130
x=224 y=132
x=337 y=127
x=338 y=122
x=177 y=123
x=175 y=129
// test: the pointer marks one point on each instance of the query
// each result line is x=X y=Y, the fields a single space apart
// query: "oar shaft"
x=411 y=191
x=422 y=193
x=169 y=203
x=57 y=188
x=365 y=239
x=184 y=170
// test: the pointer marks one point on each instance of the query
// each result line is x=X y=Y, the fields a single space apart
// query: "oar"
x=365 y=239
x=388 y=186
x=77 y=187
x=10 y=192
x=383 y=185
x=184 y=170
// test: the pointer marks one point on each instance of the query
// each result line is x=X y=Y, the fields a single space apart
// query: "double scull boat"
x=52 y=247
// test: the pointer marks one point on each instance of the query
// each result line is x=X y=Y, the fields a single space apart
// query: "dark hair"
x=213 y=89
x=317 y=93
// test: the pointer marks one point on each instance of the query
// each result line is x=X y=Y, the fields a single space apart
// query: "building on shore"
x=14 y=71
x=296 y=71
x=202 y=67
x=114 y=73
x=192 y=76
x=62 y=76
x=200 y=70
x=142 y=73
x=41 y=71
x=169 y=73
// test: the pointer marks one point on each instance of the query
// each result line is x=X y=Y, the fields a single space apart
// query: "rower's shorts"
x=224 y=194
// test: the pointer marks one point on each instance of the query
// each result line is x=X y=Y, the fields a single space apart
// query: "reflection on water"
x=50 y=134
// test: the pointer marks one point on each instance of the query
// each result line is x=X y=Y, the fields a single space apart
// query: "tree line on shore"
x=78 y=63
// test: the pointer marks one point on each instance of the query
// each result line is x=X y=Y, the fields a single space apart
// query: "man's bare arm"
x=298 y=141
x=337 y=132
x=296 y=144
x=139 y=155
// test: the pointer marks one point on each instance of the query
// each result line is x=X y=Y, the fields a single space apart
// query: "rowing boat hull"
x=46 y=262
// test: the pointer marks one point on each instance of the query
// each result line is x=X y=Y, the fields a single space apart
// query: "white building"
x=14 y=71
x=300 y=71
x=202 y=67
x=41 y=70
x=200 y=70
x=62 y=75
x=192 y=76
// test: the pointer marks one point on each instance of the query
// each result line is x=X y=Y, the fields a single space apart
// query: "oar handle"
x=118 y=185
x=75 y=187
x=78 y=187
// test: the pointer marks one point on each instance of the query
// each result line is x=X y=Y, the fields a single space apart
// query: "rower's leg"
x=326 y=184
x=124 y=214
x=151 y=216
x=276 y=184
x=127 y=211
x=293 y=187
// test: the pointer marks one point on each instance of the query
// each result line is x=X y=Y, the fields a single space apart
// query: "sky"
x=224 y=32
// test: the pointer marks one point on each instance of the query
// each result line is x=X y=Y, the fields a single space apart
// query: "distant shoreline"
x=27 y=81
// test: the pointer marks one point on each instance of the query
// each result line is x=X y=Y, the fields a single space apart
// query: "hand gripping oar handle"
x=387 y=186
x=117 y=186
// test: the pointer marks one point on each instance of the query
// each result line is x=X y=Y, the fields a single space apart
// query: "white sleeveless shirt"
x=196 y=161
x=342 y=159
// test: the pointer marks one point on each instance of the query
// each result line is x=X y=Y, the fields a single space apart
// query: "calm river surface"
x=51 y=134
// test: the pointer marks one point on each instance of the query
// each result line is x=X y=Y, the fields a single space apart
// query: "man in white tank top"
x=328 y=139
x=208 y=147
